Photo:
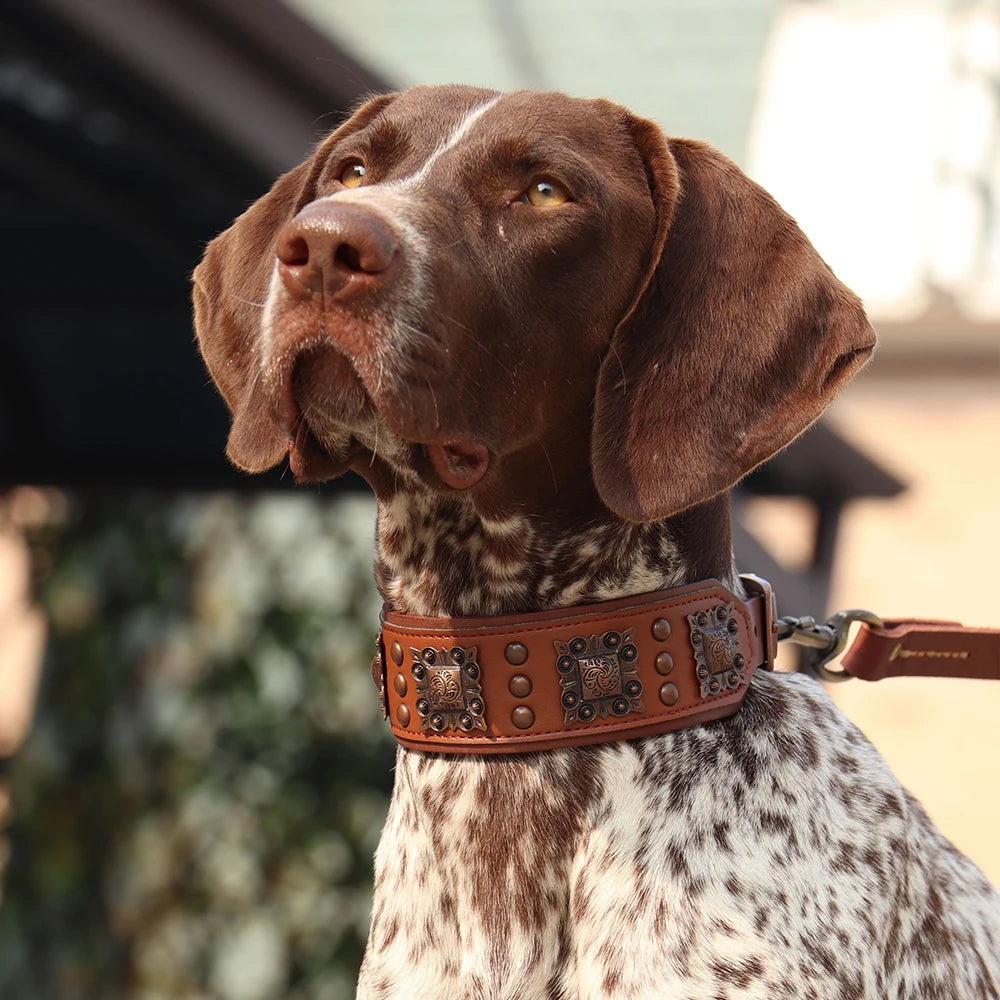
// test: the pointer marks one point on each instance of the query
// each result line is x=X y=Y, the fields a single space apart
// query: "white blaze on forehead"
x=461 y=130
x=397 y=204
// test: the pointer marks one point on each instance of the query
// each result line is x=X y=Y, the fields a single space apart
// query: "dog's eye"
x=545 y=194
x=352 y=174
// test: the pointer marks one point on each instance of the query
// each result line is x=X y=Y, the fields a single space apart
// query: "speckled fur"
x=437 y=556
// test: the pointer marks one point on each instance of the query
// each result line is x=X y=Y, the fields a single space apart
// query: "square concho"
x=448 y=691
x=598 y=677
x=716 y=647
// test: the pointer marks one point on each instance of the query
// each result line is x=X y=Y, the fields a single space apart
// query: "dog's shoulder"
x=782 y=836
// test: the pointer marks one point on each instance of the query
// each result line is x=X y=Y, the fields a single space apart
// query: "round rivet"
x=403 y=715
x=732 y=627
x=396 y=652
x=520 y=686
x=669 y=694
x=664 y=663
x=399 y=683
x=661 y=629
x=522 y=717
x=516 y=653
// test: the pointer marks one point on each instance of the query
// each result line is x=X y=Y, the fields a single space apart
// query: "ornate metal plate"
x=598 y=676
x=448 y=691
x=715 y=641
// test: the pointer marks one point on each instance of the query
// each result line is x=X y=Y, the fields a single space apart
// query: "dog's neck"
x=436 y=555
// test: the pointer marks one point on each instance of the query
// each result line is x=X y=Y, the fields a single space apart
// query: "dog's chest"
x=743 y=859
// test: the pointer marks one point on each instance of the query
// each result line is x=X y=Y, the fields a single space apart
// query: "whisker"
x=621 y=365
x=552 y=471
x=475 y=340
x=249 y=302
x=437 y=414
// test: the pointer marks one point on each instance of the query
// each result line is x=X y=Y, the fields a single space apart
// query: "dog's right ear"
x=230 y=292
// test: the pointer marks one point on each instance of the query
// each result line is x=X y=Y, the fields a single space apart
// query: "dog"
x=551 y=340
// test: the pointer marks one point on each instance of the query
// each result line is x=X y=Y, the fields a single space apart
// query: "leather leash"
x=898 y=647
x=632 y=667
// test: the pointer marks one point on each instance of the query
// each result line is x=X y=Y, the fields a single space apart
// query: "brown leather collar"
x=610 y=671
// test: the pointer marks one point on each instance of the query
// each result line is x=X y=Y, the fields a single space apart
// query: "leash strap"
x=917 y=648
x=902 y=647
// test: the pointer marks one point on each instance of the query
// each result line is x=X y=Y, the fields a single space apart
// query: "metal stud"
x=403 y=715
x=661 y=629
x=516 y=653
x=399 y=683
x=520 y=686
x=396 y=652
x=669 y=694
x=664 y=663
x=522 y=717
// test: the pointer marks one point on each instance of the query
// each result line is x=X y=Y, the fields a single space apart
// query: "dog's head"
x=457 y=279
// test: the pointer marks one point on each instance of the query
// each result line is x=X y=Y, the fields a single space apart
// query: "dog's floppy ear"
x=230 y=289
x=739 y=338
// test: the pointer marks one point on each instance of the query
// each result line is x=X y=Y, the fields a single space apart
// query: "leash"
x=636 y=666
x=899 y=647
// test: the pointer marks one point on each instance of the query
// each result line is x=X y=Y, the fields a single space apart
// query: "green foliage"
x=198 y=803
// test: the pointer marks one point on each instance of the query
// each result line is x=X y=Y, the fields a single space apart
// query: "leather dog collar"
x=591 y=674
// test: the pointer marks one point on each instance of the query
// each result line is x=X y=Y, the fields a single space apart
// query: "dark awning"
x=130 y=134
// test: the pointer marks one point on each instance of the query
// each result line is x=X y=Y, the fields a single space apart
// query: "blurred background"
x=195 y=773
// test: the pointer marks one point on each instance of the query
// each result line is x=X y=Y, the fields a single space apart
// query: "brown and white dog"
x=551 y=339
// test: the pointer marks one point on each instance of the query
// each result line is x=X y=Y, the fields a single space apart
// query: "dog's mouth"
x=331 y=420
x=458 y=465
x=311 y=462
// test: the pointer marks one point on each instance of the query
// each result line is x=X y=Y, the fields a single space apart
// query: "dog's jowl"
x=551 y=340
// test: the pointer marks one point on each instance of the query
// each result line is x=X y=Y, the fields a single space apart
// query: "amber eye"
x=352 y=174
x=545 y=194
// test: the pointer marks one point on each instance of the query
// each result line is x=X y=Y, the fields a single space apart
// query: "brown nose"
x=340 y=250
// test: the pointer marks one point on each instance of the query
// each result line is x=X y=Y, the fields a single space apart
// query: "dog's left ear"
x=230 y=289
x=738 y=338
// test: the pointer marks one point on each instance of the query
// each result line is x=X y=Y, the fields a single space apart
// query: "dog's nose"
x=340 y=250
